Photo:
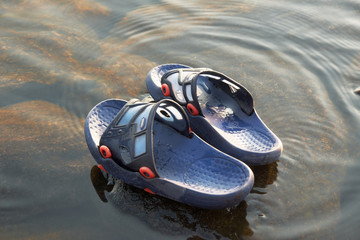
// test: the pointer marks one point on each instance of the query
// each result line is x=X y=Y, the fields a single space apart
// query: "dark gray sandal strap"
x=129 y=136
x=189 y=88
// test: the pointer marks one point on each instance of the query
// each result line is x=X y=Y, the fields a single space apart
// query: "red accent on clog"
x=149 y=191
x=165 y=90
x=102 y=168
x=192 y=109
x=146 y=172
x=105 y=151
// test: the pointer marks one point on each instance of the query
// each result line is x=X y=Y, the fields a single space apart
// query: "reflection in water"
x=168 y=216
x=264 y=175
x=101 y=182
x=171 y=217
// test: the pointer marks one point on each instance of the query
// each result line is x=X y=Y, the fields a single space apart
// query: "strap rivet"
x=105 y=151
x=146 y=172
x=192 y=109
x=165 y=90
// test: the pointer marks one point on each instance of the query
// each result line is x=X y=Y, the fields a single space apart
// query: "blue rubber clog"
x=221 y=111
x=150 y=146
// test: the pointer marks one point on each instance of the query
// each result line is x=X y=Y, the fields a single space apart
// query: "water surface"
x=299 y=59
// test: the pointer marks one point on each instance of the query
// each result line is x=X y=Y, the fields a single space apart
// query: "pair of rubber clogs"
x=191 y=144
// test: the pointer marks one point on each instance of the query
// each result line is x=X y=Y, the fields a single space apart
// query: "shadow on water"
x=170 y=217
x=264 y=175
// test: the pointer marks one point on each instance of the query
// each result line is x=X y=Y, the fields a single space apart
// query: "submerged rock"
x=357 y=91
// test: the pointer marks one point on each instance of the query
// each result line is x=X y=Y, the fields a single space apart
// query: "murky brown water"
x=300 y=60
